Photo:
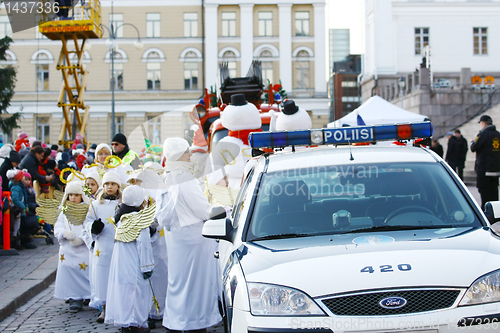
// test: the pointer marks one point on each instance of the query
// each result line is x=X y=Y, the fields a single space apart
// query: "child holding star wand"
x=99 y=235
x=72 y=279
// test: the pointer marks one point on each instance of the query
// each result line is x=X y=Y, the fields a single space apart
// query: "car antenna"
x=350 y=151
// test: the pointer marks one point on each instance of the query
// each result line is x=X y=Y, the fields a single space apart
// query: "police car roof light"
x=344 y=135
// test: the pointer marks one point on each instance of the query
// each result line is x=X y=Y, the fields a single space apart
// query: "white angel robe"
x=101 y=252
x=192 y=293
x=122 y=170
x=72 y=279
x=129 y=297
x=159 y=280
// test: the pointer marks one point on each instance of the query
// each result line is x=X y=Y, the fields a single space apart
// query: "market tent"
x=376 y=111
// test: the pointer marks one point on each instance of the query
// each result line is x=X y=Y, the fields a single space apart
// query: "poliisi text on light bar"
x=343 y=135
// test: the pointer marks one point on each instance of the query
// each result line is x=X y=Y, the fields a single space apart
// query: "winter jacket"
x=18 y=195
x=31 y=163
x=487 y=148
x=457 y=150
x=6 y=166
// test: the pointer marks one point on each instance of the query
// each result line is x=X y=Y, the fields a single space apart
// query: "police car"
x=355 y=238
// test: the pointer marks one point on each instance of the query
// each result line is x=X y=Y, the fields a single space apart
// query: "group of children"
x=139 y=255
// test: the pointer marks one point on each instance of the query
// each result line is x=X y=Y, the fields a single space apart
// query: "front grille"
x=368 y=304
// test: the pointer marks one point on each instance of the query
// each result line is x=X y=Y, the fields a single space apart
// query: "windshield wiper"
x=280 y=236
x=395 y=228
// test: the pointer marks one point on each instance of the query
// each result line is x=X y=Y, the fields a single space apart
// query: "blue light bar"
x=343 y=135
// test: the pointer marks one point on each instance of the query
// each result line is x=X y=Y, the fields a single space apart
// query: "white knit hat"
x=111 y=177
x=174 y=148
x=153 y=166
x=240 y=115
x=95 y=176
x=75 y=187
x=101 y=146
x=133 y=196
x=135 y=174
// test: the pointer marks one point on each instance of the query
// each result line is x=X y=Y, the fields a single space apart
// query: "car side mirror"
x=492 y=211
x=218 y=227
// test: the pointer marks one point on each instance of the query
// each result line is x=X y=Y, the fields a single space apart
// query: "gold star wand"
x=155 y=301
x=88 y=192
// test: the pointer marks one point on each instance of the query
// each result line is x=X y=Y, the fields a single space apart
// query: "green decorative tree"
x=7 y=85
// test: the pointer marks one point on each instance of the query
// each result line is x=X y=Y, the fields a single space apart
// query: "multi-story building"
x=433 y=48
x=184 y=41
x=340 y=46
x=346 y=93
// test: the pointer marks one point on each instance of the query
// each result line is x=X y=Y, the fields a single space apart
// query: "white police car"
x=355 y=239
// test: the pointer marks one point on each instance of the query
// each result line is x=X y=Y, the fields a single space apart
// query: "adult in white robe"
x=192 y=295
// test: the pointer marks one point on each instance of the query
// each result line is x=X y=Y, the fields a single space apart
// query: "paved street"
x=43 y=313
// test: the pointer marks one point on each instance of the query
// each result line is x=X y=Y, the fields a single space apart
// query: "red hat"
x=19 y=175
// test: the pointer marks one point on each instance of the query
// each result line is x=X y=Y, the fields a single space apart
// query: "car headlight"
x=273 y=300
x=486 y=289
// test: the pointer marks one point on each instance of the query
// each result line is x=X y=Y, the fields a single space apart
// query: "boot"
x=75 y=305
x=15 y=242
x=102 y=315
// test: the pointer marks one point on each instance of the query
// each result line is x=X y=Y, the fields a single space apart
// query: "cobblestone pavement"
x=43 y=313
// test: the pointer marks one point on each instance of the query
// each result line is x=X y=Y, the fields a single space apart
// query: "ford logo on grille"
x=392 y=302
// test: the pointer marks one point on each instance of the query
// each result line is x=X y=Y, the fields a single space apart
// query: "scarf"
x=110 y=197
x=122 y=154
x=243 y=134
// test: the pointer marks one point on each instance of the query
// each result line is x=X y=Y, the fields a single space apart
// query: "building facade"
x=183 y=43
x=450 y=34
x=346 y=92
x=340 y=46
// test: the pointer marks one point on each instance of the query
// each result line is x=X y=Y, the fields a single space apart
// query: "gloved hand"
x=153 y=227
x=76 y=242
x=147 y=275
x=97 y=227
x=69 y=235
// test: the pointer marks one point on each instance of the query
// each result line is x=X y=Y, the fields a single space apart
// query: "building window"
x=190 y=75
x=480 y=40
x=42 y=73
x=43 y=129
x=190 y=24
x=301 y=23
x=116 y=23
x=349 y=84
x=267 y=67
x=5 y=28
x=119 y=124
x=116 y=78
x=154 y=129
x=230 y=58
x=265 y=23
x=302 y=71
x=154 y=75
x=421 y=39
x=228 y=24
x=153 y=25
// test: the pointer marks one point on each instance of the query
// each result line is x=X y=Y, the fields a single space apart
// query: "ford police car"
x=355 y=239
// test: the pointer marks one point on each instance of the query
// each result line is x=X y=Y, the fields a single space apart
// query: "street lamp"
x=402 y=85
x=113 y=47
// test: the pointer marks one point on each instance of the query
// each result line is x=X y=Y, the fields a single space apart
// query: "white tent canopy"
x=377 y=111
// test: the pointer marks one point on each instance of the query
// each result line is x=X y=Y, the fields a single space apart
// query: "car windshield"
x=360 y=198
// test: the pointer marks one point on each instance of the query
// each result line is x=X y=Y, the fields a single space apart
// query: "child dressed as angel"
x=72 y=279
x=129 y=296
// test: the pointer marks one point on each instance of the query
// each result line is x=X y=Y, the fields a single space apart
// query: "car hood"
x=325 y=265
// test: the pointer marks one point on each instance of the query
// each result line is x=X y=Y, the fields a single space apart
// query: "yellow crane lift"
x=80 y=22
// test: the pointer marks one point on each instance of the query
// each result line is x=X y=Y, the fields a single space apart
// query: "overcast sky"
x=348 y=14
